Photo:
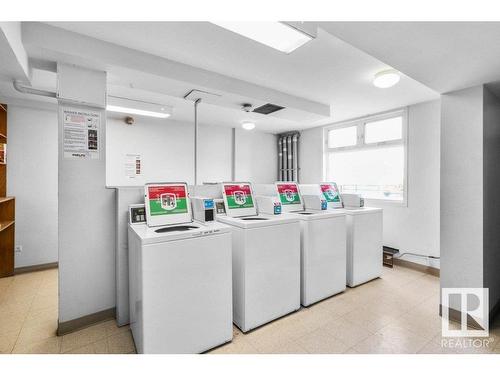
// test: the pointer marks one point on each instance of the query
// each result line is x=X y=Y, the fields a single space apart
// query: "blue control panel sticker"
x=324 y=204
x=277 y=209
x=209 y=203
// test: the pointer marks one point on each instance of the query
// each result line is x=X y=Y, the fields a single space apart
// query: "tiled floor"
x=28 y=321
x=397 y=313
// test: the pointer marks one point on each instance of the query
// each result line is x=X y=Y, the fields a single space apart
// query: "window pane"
x=374 y=173
x=342 y=137
x=384 y=130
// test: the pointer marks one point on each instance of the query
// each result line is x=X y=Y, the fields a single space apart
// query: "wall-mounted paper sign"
x=133 y=165
x=81 y=133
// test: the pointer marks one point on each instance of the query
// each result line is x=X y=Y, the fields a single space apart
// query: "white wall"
x=414 y=228
x=462 y=189
x=491 y=145
x=256 y=157
x=166 y=148
x=32 y=179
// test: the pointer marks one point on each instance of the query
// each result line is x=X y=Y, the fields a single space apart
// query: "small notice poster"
x=81 y=133
x=330 y=192
x=289 y=193
x=132 y=165
x=238 y=196
x=167 y=200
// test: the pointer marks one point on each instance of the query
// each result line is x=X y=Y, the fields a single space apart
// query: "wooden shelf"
x=5 y=199
x=5 y=224
x=7 y=210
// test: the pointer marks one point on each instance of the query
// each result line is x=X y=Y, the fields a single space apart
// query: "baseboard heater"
x=389 y=253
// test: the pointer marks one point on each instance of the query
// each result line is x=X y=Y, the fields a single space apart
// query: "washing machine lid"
x=257 y=221
x=309 y=215
x=362 y=210
x=176 y=232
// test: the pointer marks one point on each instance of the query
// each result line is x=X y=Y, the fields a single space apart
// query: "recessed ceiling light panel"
x=386 y=78
x=137 y=107
x=277 y=35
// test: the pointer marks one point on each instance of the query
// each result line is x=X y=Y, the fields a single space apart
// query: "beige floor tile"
x=271 y=336
x=9 y=323
x=237 y=346
x=112 y=328
x=347 y=331
x=322 y=342
x=375 y=344
x=291 y=347
x=312 y=318
x=51 y=345
x=35 y=333
x=121 y=343
x=8 y=340
x=402 y=339
x=43 y=316
x=371 y=321
x=41 y=302
x=341 y=305
x=99 y=347
x=82 y=338
x=425 y=325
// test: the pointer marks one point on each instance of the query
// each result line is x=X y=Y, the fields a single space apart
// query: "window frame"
x=360 y=145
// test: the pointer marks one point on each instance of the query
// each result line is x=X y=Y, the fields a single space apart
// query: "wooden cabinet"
x=7 y=231
x=7 y=206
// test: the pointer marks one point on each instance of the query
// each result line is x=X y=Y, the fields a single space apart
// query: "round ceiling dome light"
x=386 y=78
x=247 y=125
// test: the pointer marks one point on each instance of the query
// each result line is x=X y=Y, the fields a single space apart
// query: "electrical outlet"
x=19 y=249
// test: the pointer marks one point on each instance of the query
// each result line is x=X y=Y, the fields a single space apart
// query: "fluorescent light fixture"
x=277 y=35
x=137 y=107
x=247 y=125
x=386 y=78
x=134 y=111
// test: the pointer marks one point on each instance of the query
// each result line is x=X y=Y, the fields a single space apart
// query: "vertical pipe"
x=233 y=154
x=280 y=158
x=295 y=157
x=196 y=102
x=285 y=159
x=289 y=156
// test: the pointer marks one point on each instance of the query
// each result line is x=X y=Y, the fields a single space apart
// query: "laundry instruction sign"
x=167 y=200
x=81 y=133
x=330 y=192
x=238 y=196
x=289 y=193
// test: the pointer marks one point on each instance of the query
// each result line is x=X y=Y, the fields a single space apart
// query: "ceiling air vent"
x=267 y=109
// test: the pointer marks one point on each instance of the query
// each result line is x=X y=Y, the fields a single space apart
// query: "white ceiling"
x=326 y=70
x=445 y=56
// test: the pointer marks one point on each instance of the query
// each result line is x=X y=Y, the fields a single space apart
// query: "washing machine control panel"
x=136 y=214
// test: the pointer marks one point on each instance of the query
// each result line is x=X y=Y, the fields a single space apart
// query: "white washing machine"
x=323 y=245
x=364 y=236
x=266 y=259
x=180 y=277
x=364 y=244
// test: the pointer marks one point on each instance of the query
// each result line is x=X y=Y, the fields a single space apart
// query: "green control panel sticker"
x=289 y=193
x=238 y=196
x=330 y=192
x=167 y=200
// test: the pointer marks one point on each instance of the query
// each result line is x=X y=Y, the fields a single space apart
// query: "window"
x=368 y=156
